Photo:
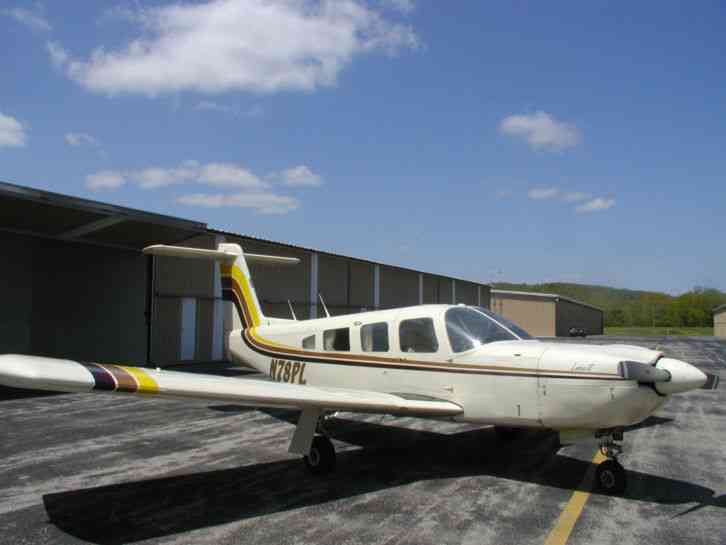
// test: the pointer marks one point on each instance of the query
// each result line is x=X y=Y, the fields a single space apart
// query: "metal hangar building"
x=719 y=321
x=75 y=283
x=547 y=314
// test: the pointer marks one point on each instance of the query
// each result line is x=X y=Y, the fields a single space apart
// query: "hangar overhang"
x=44 y=214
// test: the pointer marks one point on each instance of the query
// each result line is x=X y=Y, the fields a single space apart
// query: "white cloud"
x=58 y=55
x=542 y=193
x=261 y=46
x=504 y=193
x=12 y=132
x=105 y=180
x=262 y=202
x=300 y=176
x=34 y=19
x=156 y=177
x=226 y=175
x=575 y=196
x=210 y=106
x=541 y=131
x=229 y=175
x=595 y=205
x=77 y=139
x=404 y=6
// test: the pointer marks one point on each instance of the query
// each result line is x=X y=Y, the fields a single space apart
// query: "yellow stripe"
x=147 y=385
x=239 y=276
x=561 y=532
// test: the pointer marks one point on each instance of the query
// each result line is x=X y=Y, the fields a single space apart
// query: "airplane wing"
x=59 y=375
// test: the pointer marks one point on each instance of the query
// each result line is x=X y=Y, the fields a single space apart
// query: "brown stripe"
x=126 y=383
x=352 y=358
x=237 y=291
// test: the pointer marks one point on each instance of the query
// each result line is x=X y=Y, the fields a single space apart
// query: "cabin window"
x=337 y=339
x=309 y=342
x=468 y=328
x=374 y=337
x=418 y=335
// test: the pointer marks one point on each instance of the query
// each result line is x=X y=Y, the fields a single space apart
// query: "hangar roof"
x=553 y=296
x=35 y=212
x=40 y=213
x=323 y=252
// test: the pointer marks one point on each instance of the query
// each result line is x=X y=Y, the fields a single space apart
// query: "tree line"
x=632 y=308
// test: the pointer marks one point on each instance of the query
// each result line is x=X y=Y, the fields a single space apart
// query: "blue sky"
x=494 y=141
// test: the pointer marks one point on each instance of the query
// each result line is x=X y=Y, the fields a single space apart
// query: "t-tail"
x=237 y=285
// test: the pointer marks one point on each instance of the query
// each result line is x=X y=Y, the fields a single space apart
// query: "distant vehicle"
x=463 y=363
x=577 y=332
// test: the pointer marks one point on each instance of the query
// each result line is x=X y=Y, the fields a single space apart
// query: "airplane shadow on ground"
x=393 y=457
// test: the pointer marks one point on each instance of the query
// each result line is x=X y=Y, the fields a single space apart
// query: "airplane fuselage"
x=516 y=383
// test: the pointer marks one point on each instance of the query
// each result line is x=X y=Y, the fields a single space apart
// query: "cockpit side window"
x=309 y=342
x=469 y=329
x=374 y=337
x=337 y=339
x=418 y=335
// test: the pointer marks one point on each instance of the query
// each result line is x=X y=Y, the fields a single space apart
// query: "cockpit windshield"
x=509 y=324
x=470 y=327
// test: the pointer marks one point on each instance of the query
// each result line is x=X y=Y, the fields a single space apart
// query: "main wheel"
x=321 y=459
x=611 y=477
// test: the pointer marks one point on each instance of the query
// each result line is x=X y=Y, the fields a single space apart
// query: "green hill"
x=630 y=308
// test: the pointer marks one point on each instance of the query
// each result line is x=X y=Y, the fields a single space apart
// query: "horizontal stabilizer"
x=217 y=255
x=71 y=376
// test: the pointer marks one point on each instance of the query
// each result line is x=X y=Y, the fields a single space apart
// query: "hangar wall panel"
x=443 y=292
x=166 y=339
x=430 y=289
x=535 y=315
x=573 y=315
x=16 y=293
x=466 y=292
x=361 y=286
x=89 y=302
x=719 y=324
x=486 y=296
x=184 y=293
x=333 y=284
x=399 y=287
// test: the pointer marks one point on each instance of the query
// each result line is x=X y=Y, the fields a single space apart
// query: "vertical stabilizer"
x=237 y=286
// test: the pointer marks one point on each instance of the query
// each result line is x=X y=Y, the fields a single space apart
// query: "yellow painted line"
x=147 y=385
x=561 y=532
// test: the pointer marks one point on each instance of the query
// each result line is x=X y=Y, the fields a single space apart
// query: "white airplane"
x=454 y=362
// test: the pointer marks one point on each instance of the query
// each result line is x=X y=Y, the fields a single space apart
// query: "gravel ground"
x=113 y=469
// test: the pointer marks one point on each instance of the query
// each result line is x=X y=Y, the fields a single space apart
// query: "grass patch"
x=660 y=331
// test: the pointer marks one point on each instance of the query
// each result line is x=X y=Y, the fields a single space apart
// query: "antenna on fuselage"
x=325 y=308
x=292 y=311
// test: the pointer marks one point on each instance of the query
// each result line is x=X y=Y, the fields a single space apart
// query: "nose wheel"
x=610 y=476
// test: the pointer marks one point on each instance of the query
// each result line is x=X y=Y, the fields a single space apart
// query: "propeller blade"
x=642 y=372
x=711 y=382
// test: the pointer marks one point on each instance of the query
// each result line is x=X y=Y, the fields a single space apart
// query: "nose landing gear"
x=610 y=476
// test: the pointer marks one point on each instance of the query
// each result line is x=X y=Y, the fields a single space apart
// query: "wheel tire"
x=321 y=459
x=611 y=477
x=507 y=434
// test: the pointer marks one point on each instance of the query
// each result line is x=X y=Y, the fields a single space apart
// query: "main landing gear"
x=610 y=476
x=311 y=440
x=321 y=458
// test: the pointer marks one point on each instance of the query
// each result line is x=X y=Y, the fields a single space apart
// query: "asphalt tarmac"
x=110 y=469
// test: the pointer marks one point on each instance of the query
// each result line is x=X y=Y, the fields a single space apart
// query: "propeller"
x=672 y=377
x=642 y=372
